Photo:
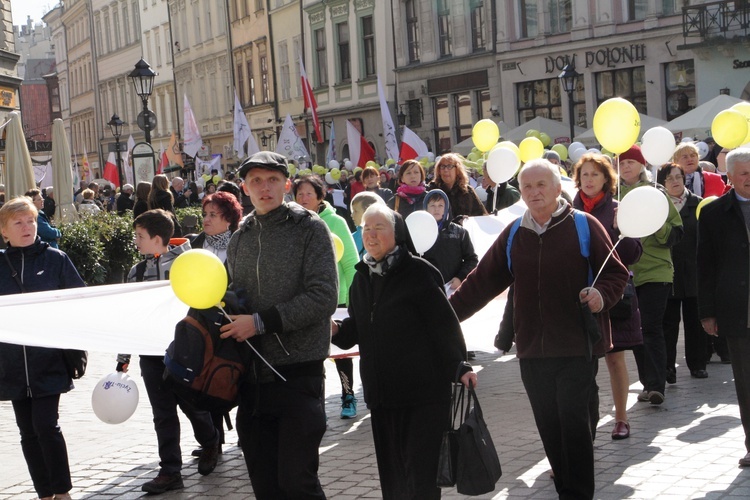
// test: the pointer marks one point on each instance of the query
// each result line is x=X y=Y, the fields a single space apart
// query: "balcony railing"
x=714 y=20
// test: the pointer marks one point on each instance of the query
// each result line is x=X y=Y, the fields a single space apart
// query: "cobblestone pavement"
x=686 y=448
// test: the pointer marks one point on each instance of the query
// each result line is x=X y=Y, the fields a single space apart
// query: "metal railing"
x=713 y=20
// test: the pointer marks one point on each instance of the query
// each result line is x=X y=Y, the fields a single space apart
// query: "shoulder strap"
x=140 y=270
x=14 y=273
x=584 y=238
x=513 y=229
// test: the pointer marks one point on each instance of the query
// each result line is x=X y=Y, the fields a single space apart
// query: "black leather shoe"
x=699 y=373
x=671 y=376
x=208 y=460
x=197 y=452
x=164 y=482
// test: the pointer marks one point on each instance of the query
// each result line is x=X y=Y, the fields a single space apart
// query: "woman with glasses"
x=685 y=287
x=451 y=177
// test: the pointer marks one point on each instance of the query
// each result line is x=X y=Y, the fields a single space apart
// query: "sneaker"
x=655 y=397
x=348 y=406
x=163 y=483
x=209 y=458
x=643 y=395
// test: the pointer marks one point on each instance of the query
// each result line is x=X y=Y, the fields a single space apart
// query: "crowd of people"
x=693 y=271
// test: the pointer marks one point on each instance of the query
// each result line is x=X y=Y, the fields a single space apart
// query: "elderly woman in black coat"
x=33 y=378
x=411 y=349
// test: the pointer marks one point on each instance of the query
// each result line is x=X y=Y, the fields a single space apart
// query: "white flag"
x=389 y=131
x=241 y=128
x=290 y=144
x=192 y=135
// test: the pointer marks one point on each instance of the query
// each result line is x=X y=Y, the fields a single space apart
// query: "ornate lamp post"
x=568 y=79
x=115 y=125
x=143 y=81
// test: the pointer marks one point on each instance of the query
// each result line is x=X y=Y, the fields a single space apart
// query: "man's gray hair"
x=177 y=179
x=381 y=209
x=556 y=179
x=739 y=155
x=49 y=190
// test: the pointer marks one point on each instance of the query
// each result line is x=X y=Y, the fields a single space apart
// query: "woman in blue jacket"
x=33 y=378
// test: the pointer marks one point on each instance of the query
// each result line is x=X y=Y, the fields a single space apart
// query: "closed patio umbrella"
x=18 y=169
x=62 y=175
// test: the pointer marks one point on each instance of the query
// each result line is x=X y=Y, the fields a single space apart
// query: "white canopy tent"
x=464 y=147
x=696 y=123
x=553 y=128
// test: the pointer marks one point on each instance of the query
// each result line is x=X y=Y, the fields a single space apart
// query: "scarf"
x=410 y=193
x=219 y=241
x=679 y=201
x=590 y=203
x=380 y=267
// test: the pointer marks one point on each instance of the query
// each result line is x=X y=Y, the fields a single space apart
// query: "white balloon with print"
x=115 y=398
x=703 y=149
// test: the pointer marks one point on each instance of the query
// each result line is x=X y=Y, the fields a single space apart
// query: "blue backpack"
x=584 y=239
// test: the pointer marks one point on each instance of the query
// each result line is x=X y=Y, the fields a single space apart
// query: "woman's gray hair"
x=544 y=164
x=381 y=209
x=739 y=155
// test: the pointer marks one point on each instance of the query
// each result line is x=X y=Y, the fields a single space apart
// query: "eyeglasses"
x=447 y=166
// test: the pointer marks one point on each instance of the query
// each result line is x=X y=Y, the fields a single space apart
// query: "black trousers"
x=558 y=390
x=651 y=358
x=43 y=444
x=407 y=446
x=345 y=367
x=696 y=339
x=280 y=426
x=739 y=351
x=164 y=405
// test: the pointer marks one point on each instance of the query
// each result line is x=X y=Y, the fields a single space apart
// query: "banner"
x=389 y=131
x=290 y=143
x=192 y=135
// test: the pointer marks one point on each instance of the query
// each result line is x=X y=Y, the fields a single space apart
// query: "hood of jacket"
x=443 y=223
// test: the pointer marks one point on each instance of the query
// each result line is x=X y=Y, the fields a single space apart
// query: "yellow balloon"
x=485 y=134
x=545 y=138
x=533 y=133
x=744 y=108
x=508 y=145
x=729 y=128
x=531 y=148
x=339 y=246
x=198 y=278
x=705 y=201
x=617 y=124
x=561 y=150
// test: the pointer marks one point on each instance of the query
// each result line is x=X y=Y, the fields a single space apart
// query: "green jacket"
x=345 y=266
x=655 y=264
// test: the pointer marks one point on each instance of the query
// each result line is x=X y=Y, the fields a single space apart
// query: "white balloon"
x=430 y=156
x=642 y=212
x=347 y=164
x=658 y=145
x=329 y=178
x=423 y=230
x=687 y=139
x=594 y=150
x=115 y=398
x=575 y=145
x=576 y=154
x=333 y=164
x=703 y=149
x=481 y=193
x=502 y=164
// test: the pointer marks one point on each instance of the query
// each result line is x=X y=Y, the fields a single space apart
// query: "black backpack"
x=201 y=367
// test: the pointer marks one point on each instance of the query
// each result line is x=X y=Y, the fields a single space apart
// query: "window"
x=157 y=46
x=637 y=9
x=444 y=28
x=264 y=77
x=241 y=84
x=342 y=32
x=560 y=15
x=442 y=124
x=116 y=25
x=321 y=61
x=484 y=104
x=107 y=31
x=297 y=72
x=167 y=42
x=251 y=81
x=680 y=82
x=258 y=5
x=98 y=28
x=412 y=30
x=539 y=98
x=221 y=18
x=209 y=30
x=368 y=45
x=477 y=25
x=137 y=20
x=197 y=26
x=629 y=83
x=529 y=25
x=415 y=112
x=668 y=7
x=286 y=80
x=464 y=123
x=126 y=24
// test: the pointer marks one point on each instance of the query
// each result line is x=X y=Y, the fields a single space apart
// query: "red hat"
x=634 y=153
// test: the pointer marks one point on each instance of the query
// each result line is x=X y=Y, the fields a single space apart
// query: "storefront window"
x=442 y=124
x=462 y=104
x=629 y=83
x=539 y=98
x=483 y=104
x=680 y=82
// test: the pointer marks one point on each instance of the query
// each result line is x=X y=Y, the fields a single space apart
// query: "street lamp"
x=264 y=138
x=568 y=79
x=115 y=125
x=143 y=81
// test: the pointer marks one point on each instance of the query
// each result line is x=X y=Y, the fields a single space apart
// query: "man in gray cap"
x=283 y=257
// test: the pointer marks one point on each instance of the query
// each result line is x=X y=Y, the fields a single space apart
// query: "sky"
x=34 y=8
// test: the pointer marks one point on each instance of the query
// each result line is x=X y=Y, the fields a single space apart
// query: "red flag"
x=310 y=100
x=163 y=162
x=412 y=147
x=110 y=170
x=360 y=151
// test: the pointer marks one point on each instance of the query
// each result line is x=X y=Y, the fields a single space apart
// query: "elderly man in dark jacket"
x=554 y=347
x=724 y=274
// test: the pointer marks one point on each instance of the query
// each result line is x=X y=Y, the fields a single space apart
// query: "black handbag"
x=478 y=464
x=448 y=459
x=624 y=308
x=75 y=360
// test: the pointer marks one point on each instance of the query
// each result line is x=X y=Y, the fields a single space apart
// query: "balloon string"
x=619 y=180
x=252 y=347
x=605 y=260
